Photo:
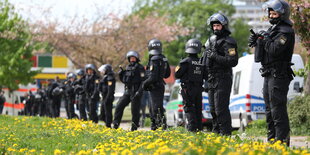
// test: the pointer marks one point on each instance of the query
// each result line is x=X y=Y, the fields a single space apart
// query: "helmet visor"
x=275 y=5
x=217 y=17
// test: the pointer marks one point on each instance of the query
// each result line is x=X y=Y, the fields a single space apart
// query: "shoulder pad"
x=207 y=44
x=110 y=77
x=185 y=60
x=156 y=57
x=230 y=40
x=213 y=38
x=285 y=29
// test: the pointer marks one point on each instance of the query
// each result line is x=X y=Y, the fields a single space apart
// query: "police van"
x=246 y=98
x=14 y=104
x=174 y=108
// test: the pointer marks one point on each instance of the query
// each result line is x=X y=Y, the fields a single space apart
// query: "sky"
x=33 y=10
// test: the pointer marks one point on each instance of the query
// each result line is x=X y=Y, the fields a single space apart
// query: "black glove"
x=252 y=40
x=211 y=54
x=263 y=34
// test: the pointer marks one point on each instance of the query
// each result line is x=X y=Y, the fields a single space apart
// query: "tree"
x=192 y=15
x=16 y=49
x=105 y=40
x=240 y=31
x=301 y=17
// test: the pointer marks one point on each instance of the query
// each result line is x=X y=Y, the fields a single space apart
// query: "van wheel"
x=242 y=127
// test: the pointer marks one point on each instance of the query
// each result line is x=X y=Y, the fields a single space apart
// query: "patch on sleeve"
x=142 y=74
x=151 y=67
x=177 y=68
x=282 y=40
x=97 y=81
x=232 y=51
x=110 y=83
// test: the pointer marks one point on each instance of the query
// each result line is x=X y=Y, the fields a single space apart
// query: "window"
x=237 y=83
x=175 y=93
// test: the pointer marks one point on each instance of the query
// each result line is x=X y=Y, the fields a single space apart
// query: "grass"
x=35 y=135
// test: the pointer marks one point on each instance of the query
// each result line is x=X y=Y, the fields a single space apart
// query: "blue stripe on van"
x=255 y=107
x=205 y=97
x=243 y=97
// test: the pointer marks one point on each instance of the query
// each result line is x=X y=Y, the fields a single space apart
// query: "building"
x=252 y=12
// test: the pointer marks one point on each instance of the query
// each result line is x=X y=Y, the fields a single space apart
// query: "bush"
x=257 y=128
x=299 y=115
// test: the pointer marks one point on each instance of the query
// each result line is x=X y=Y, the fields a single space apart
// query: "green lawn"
x=35 y=135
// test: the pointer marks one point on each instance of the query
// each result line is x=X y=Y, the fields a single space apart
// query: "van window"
x=175 y=93
x=236 y=82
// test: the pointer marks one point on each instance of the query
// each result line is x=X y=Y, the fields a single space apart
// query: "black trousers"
x=67 y=101
x=219 y=95
x=275 y=96
x=56 y=105
x=93 y=105
x=43 y=108
x=82 y=106
x=157 y=109
x=71 y=110
x=135 y=109
x=108 y=105
x=192 y=101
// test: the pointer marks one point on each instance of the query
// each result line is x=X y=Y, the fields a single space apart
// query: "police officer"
x=274 y=49
x=157 y=69
x=91 y=90
x=219 y=57
x=80 y=93
x=191 y=73
x=107 y=89
x=53 y=94
x=70 y=95
x=132 y=77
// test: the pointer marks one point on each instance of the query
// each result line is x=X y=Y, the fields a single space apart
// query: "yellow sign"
x=49 y=76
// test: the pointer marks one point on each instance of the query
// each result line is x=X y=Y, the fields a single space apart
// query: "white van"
x=246 y=99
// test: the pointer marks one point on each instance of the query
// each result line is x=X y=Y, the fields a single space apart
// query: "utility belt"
x=216 y=73
x=187 y=84
x=278 y=70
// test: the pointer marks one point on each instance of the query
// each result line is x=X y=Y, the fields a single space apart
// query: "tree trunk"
x=307 y=85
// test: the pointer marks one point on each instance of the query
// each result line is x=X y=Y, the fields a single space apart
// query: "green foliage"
x=257 y=128
x=192 y=15
x=241 y=33
x=303 y=72
x=16 y=49
x=299 y=115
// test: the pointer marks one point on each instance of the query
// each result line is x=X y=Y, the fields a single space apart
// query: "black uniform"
x=157 y=69
x=92 y=94
x=132 y=77
x=70 y=97
x=54 y=96
x=107 y=89
x=81 y=97
x=191 y=73
x=220 y=81
x=274 y=49
x=2 y=101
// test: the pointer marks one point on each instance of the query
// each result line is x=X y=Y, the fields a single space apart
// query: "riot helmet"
x=71 y=75
x=219 y=18
x=155 y=47
x=106 y=68
x=132 y=54
x=80 y=72
x=193 y=46
x=281 y=7
x=91 y=67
